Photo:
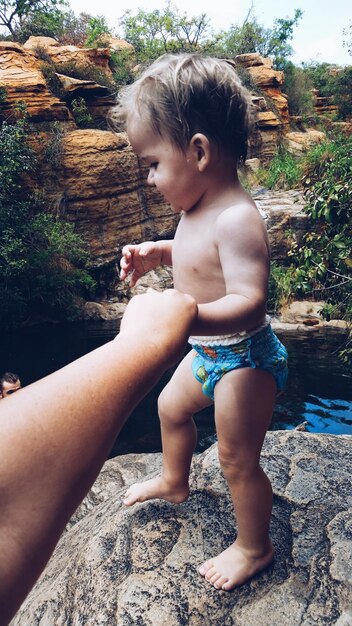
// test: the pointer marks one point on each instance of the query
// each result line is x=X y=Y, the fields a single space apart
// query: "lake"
x=319 y=389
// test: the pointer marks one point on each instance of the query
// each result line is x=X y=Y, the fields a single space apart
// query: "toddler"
x=188 y=118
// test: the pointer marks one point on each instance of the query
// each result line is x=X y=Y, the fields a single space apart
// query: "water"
x=319 y=390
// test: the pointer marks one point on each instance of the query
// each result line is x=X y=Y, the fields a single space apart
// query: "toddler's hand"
x=138 y=259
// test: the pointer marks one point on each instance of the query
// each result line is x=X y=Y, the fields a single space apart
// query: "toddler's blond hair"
x=180 y=95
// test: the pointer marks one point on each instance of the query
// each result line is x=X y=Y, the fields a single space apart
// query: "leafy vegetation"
x=157 y=32
x=42 y=259
x=81 y=113
x=321 y=263
x=253 y=37
x=13 y=13
x=283 y=172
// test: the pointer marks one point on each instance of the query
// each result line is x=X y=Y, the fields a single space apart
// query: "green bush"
x=298 y=88
x=283 y=172
x=333 y=82
x=81 y=113
x=42 y=259
x=121 y=65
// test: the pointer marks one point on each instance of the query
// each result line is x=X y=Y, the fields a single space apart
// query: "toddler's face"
x=173 y=172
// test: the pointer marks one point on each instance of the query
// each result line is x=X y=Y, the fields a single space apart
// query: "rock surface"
x=138 y=566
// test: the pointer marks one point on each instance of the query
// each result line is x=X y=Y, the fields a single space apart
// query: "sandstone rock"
x=272 y=111
x=251 y=59
x=298 y=142
x=101 y=187
x=268 y=119
x=301 y=311
x=265 y=76
x=138 y=566
x=118 y=44
x=34 y=42
x=20 y=75
x=96 y=57
x=72 y=85
x=285 y=218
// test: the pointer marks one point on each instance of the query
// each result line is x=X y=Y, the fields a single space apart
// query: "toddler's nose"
x=150 y=179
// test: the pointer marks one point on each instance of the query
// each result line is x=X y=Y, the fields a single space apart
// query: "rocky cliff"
x=91 y=177
x=138 y=566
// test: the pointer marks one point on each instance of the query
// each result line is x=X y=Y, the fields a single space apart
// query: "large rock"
x=298 y=142
x=100 y=185
x=96 y=57
x=286 y=221
x=138 y=566
x=23 y=81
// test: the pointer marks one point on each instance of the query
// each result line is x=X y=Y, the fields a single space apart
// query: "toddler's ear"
x=202 y=150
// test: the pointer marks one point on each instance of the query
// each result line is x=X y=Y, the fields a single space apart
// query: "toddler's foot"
x=156 y=487
x=233 y=567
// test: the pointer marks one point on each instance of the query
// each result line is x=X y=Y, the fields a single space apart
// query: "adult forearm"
x=56 y=434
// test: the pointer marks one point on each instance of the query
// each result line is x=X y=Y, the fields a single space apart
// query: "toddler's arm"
x=138 y=259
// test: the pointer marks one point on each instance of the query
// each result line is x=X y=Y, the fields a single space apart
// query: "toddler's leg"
x=244 y=401
x=180 y=399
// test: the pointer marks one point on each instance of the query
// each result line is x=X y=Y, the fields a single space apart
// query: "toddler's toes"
x=205 y=567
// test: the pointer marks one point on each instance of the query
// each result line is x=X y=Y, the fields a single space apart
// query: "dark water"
x=319 y=389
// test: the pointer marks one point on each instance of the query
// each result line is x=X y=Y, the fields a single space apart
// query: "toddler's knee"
x=163 y=406
x=168 y=409
x=235 y=465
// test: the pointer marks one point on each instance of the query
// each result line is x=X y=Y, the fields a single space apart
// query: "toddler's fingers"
x=147 y=248
x=127 y=252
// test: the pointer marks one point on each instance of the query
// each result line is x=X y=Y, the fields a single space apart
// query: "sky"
x=318 y=36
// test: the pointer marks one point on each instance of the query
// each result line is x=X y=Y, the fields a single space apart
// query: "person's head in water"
x=9 y=383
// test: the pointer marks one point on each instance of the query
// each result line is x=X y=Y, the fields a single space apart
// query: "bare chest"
x=195 y=259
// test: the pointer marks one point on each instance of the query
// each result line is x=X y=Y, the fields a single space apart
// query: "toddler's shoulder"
x=241 y=215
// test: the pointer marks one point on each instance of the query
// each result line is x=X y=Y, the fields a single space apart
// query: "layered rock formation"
x=23 y=81
x=272 y=106
x=91 y=177
x=138 y=566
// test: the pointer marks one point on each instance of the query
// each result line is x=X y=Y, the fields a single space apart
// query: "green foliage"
x=42 y=259
x=283 y=172
x=121 y=65
x=81 y=113
x=253 y=37
x=44 y=24
x=14 y=13
x=322 y=263
x=342 y=95
x=281 y=286
x=319 y=265
x=334 y=83
x=53 y=149
x=298 y=87
x=156 y=32
x=96 y=30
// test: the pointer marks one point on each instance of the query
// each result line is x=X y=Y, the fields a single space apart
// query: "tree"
x=347 y=43
x=14 y=12
x=334 y=83
x=160 y=31
x=64 y=26
x=253 y=37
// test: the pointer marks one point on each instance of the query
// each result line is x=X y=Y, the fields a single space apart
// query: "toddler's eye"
x=154 y=165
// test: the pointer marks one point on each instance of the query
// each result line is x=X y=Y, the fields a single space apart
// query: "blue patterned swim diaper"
x=262 y=350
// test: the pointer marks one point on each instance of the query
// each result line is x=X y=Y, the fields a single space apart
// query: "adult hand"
x=162 y=318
